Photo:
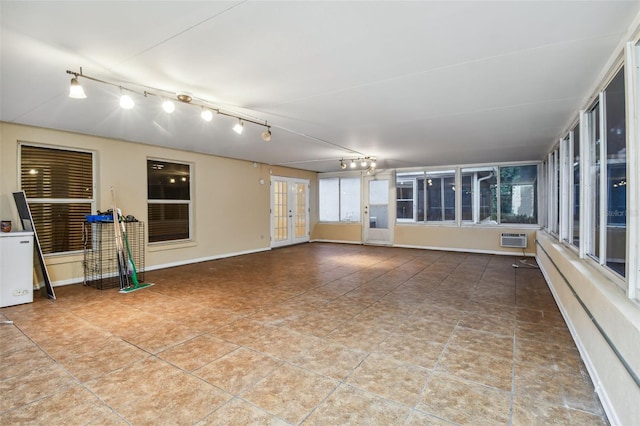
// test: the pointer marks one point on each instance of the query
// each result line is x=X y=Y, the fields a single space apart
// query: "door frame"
x=368 y=237
x=291 y=207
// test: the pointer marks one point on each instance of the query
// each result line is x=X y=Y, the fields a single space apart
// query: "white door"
x=378 y=209
x=289 y=211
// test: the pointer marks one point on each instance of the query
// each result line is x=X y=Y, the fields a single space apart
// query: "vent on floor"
x=513 y=240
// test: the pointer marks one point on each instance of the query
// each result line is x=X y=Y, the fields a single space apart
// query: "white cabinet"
x=16 y=268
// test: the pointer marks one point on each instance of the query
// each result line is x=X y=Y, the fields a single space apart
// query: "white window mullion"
x=603 y=182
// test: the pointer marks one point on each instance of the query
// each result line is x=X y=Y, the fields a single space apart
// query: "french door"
x=289 y=211
x=378 y=209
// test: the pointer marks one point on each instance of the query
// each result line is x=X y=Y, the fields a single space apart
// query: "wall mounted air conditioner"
x=513 y=240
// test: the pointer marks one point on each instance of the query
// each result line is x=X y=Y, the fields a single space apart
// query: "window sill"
x=171 y=245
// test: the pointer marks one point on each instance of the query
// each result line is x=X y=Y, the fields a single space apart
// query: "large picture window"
x=339 y=199
x=519 y=194
x=169 y=200
x=58 y=184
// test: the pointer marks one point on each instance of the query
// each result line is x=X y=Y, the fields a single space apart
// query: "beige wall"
x=463 y=238
x=338 y=232
x=617 y=315
x=231 y=207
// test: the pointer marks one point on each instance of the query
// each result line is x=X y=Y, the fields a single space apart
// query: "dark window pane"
x=575 y=207
x=467 y=197
x=518 y=194
x=168 y=222
x=167 y=181
x=59 y=226
x=56 y=173
x=616 y=174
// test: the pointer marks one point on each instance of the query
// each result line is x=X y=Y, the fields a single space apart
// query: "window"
x=607 y=213
x=575 y=186
x=593 y=242
x=59 y=186
x=430 y=192
x=479 y=200
x=517 y=197
x=616 y=174
x=169 y=200
x=441 y=196
x=339 y=199
x=518 y=194
x=410 y=197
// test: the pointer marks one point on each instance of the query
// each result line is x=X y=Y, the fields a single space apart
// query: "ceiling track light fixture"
x=367 y=163
x=239 y=127
x=76 y=91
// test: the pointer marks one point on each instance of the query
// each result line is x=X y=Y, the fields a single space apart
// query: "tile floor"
x=317 y=334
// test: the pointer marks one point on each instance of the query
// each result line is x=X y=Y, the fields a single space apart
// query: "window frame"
x=339 y=178
x=90 y=201
x=188 y=202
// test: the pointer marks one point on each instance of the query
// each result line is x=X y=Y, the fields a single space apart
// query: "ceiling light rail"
x=367 y=163
x=76 y=91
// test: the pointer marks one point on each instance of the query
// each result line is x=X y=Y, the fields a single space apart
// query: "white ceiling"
x=411 y=83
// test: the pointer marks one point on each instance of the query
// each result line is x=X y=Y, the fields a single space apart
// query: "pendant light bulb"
x=126 y=102
x=363 y=163
x=168 y=106
x=75 y=90
x=343 y=165
x=353 y=164
x=239 y=127
x=206 y=114
x=373 y=164
x=266 y=135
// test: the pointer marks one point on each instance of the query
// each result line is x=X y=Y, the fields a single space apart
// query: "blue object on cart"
x=94 y=218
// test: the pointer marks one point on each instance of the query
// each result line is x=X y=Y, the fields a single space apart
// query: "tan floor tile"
x=197 y=352
x=238 y=370
x=483 y=342
x=409 y=349
x=111 y=355
x=22 y=361
x=488 y=323
x=527 y=412
x=464 y=402
x=418 y=418
x=140 y=394
x=398 y=381
x=557 y=357
x=358 y=336
x=156 y=336
x=282 y=343
x=32 y=385
x=330 y=359
x=351 y=406
x=280 y=393
x=478 y=367
x=239 y=412
x=65 y=407
x=12 y=339
x=434 y=331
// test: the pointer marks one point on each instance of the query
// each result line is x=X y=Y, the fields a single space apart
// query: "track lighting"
x=367 y=163
x=239 y=127
x=168 y=106
x=266 y=135
x=206 y=114
x=126 y=102
x=76 y=91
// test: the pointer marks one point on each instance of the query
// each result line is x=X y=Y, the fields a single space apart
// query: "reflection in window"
x=616 y=170
x=518 y=194
x=169 y=200
x=575 y=193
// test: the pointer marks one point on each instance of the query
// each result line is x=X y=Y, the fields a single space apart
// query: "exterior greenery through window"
x=59 y=185
x=169 y=200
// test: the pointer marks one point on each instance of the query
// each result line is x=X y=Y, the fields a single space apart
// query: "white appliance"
x=16 y=268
